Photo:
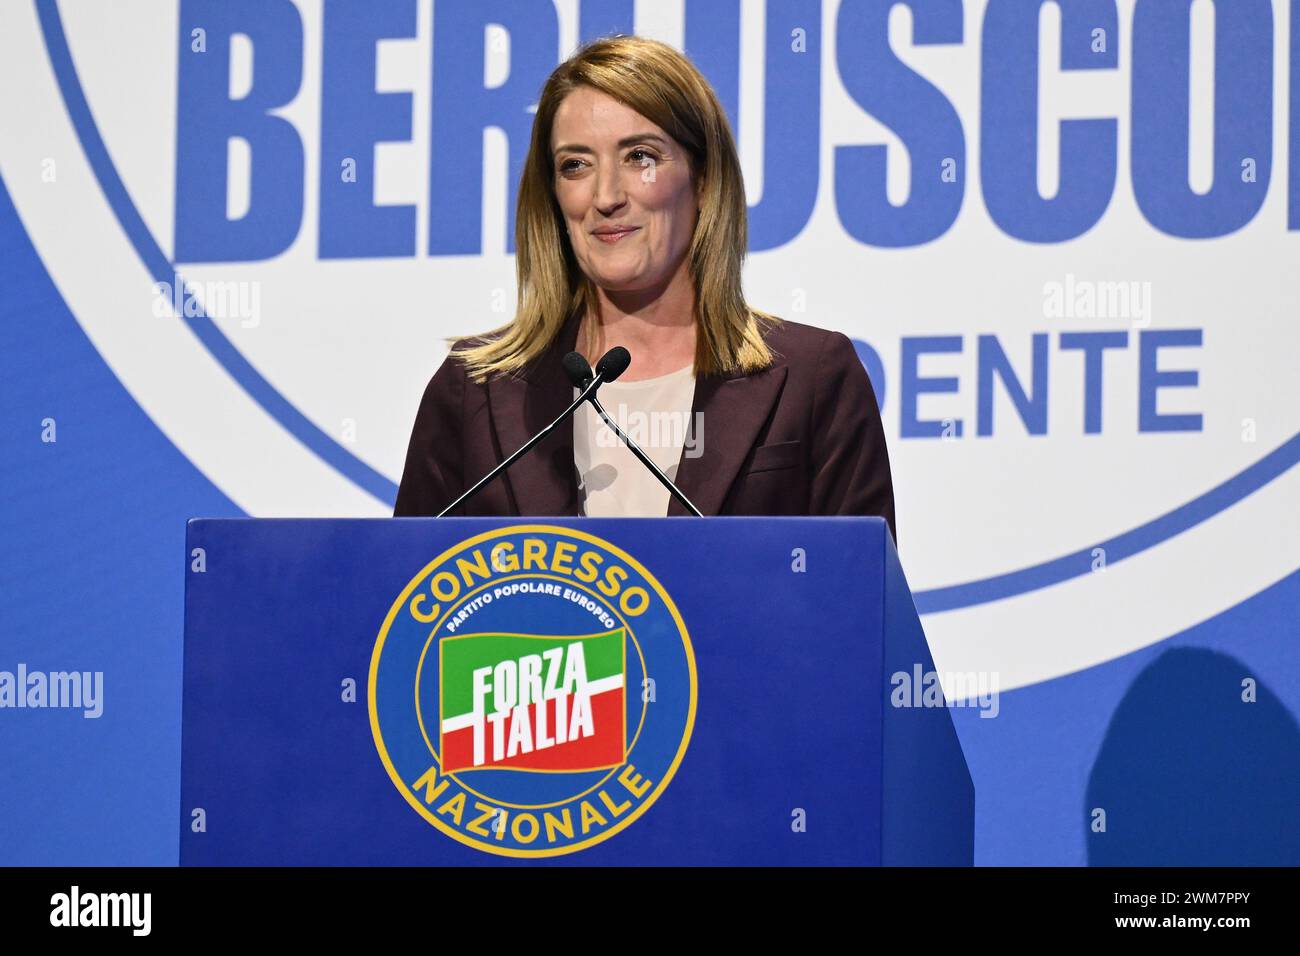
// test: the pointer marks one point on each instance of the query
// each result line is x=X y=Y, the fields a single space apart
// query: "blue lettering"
x=913 y=385
x=792 y=104
x=993 y=362
x=463 y=108
x=917 y=113
x=1151 y=380
x=207 y=119
x=353 y=119
x=1243 y=116
x=1009 y=121
x=1093 y=344
x=1293 y=106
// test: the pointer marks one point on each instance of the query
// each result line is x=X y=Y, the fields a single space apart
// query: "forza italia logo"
x=532 y=691
x=547 y=703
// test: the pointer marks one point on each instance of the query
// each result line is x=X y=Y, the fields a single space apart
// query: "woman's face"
x=616 y=170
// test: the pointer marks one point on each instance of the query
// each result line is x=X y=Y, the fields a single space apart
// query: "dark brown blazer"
x=801 y=437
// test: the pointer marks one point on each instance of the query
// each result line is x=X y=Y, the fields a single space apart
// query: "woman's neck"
x=658 y=330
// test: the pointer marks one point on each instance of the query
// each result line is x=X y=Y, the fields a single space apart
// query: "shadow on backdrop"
x=1190 y=774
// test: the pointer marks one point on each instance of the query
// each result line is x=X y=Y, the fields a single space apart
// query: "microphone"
x=578 y=369
x=611 y=365
x=593 y=382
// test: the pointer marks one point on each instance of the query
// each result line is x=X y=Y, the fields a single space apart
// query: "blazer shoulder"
x=450 y=372
x=452 y=369
x=803 y=345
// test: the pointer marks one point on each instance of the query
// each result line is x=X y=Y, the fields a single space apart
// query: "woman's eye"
x=641 y=157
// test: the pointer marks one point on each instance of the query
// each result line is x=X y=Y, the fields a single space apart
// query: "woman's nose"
x=610 y=194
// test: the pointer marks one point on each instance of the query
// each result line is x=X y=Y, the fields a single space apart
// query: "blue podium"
x=560 y=691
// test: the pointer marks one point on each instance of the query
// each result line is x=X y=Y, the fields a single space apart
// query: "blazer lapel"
x=729 y=412
x=542 y=482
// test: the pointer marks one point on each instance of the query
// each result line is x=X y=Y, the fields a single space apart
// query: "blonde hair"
x=662 y=85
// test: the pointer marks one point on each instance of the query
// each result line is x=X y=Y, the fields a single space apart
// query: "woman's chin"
x=630 y=281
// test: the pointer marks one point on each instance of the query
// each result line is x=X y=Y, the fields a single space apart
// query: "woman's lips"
x=613 y=237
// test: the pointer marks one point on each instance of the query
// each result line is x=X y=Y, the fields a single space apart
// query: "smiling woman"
x=629 y=198
x=631 y=232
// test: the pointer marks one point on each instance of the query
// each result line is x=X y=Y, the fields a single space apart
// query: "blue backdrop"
x=992 y=241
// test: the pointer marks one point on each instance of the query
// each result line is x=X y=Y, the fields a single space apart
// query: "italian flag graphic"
x=533 y=702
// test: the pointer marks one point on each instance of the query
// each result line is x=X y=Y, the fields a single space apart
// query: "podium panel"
x=559 y=691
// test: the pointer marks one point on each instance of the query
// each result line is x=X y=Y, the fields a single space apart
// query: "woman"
x=631 y=232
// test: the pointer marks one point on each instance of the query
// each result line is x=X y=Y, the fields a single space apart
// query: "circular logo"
x=532 y=691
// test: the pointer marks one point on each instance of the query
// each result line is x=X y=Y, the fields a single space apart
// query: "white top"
x=655 y=413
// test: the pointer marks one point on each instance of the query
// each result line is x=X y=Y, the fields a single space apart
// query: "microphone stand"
x=588 y=392
x=636 y=450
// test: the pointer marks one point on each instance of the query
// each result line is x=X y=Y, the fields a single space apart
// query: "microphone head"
x=578 y=369
x=614 y=363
